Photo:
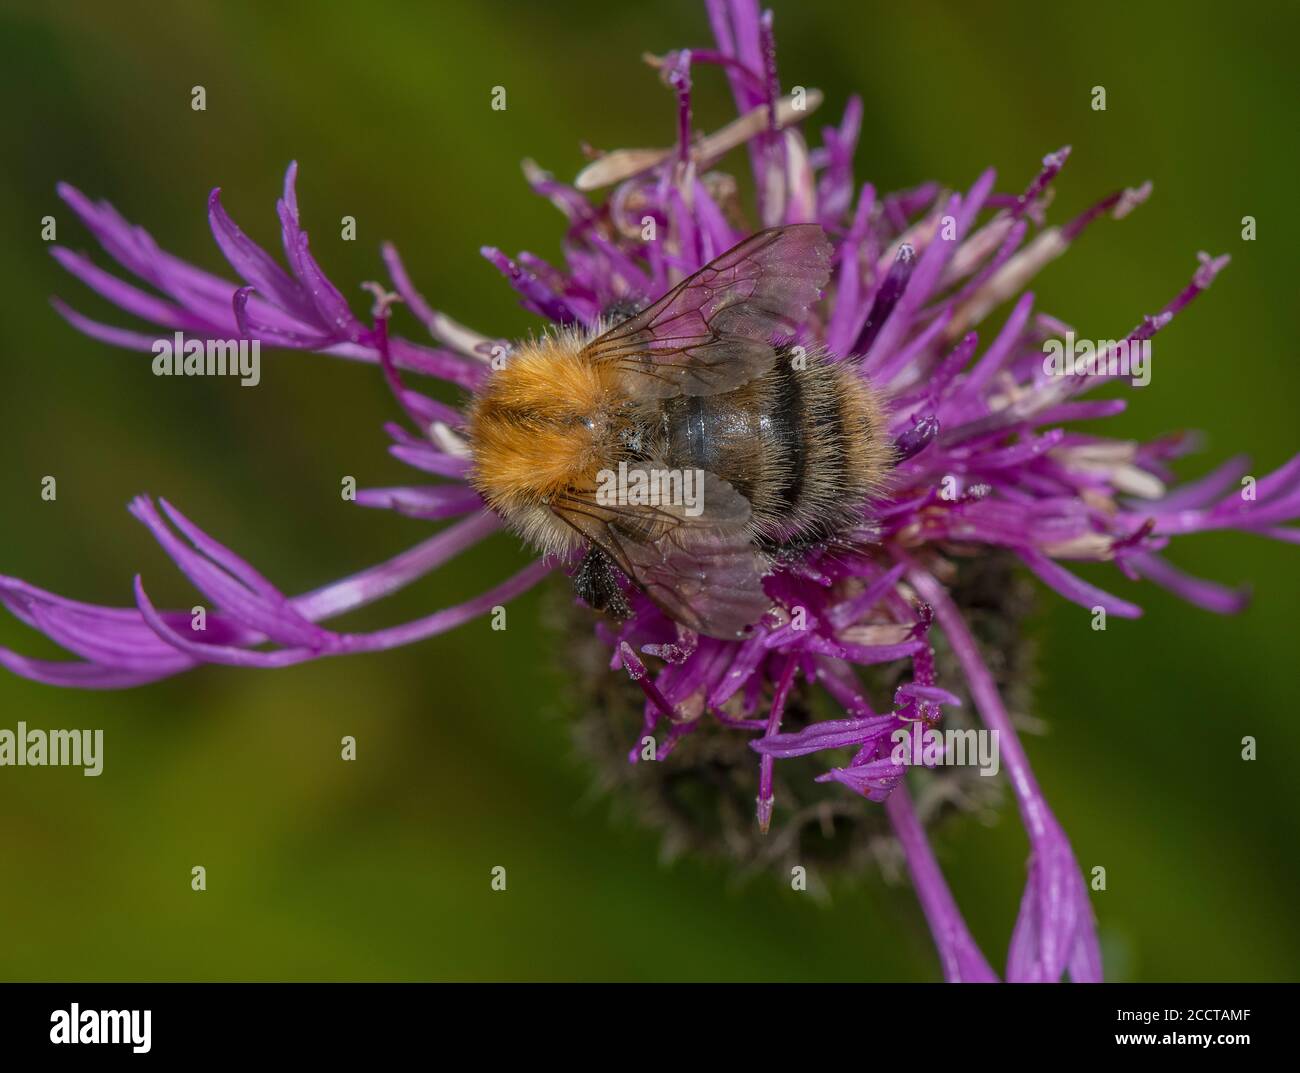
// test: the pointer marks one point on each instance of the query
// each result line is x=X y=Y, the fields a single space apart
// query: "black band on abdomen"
x=786 y=427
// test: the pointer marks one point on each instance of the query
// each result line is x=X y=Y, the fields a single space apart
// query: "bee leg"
x=596 y=582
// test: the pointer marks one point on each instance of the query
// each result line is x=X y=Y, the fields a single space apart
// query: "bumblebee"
x=786 y=445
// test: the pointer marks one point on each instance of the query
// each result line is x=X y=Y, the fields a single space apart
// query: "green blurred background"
x=379 y=869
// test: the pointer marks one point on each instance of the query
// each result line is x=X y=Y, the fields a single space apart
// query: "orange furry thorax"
x=539 y=425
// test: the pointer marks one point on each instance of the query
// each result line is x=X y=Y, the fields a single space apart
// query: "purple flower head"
x=991 y=456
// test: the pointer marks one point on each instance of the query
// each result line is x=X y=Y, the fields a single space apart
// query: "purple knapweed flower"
x=986 y=462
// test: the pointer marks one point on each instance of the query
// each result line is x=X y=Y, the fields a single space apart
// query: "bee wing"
x=713 y=331
x=703 y=571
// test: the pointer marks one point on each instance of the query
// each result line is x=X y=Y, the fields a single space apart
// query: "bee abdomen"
x=827 y=424
x=803 y=443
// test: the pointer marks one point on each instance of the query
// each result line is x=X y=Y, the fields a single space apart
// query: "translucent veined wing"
x=714 y=330
x=701 y=569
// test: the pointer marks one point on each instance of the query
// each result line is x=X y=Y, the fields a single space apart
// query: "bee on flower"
x=872 y=473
